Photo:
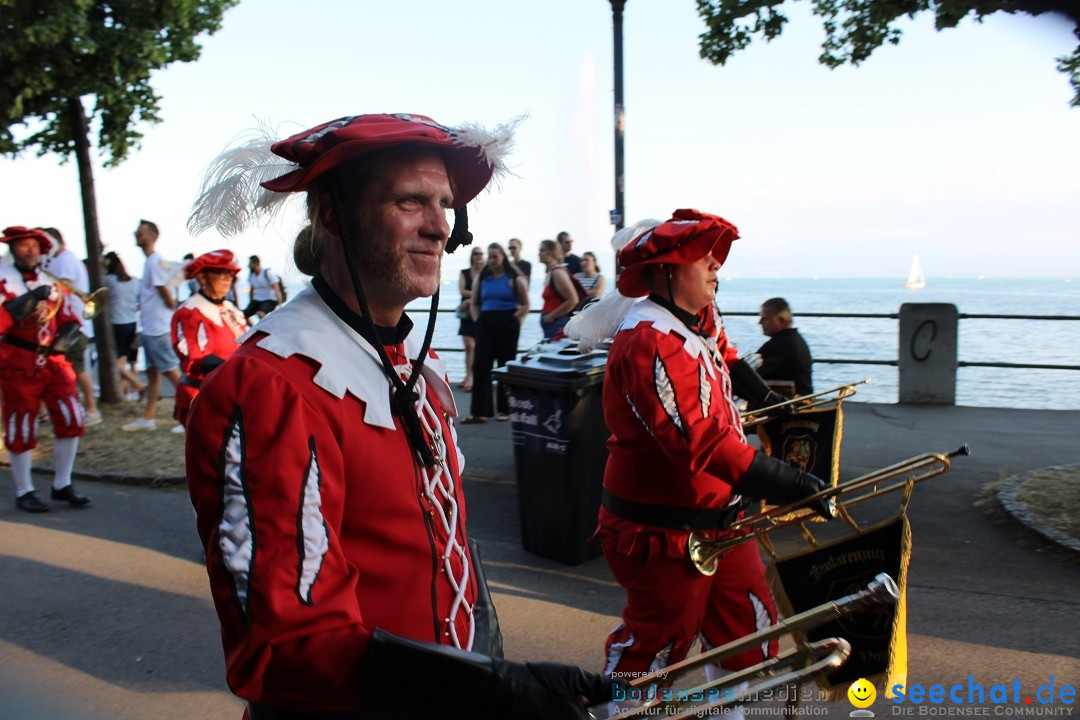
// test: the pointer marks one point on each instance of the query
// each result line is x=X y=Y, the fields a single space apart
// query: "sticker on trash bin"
x=538 y=422
x=554 y=422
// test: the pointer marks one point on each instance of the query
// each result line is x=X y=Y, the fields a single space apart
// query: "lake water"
x=990 y=340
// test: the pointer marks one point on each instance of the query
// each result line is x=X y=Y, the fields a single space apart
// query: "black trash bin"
x=560 y=448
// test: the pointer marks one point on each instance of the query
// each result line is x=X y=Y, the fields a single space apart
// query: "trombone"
x=704 y=553
x=797 y=665
x=752 y=418
x=91 y=301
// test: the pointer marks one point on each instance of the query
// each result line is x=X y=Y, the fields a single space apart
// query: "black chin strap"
x=219 y=301
x=403 y=395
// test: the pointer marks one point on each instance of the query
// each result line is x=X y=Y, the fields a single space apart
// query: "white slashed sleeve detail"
x=314 y=539
x=633 y=409
x=201 y=337
x=236 y=531
x=665 y=392
x=704 y=391
x=181 y=341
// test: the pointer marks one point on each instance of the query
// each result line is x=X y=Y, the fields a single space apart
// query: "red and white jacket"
x=676 y=438
x=41 y=327
x=319 y=523
x=201 y=328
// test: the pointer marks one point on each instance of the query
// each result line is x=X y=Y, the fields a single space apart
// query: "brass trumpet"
x=705 y=553
x=751 y=418
x=800 y=664
x=91 y=301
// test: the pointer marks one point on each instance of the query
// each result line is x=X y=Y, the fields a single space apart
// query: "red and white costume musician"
x=676 y=441
x=29 y=372
x=202 y=328
x=296 y=423
x=677 y=450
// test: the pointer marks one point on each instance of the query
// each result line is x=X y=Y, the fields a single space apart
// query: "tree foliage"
x=55 y=53
x=855 y=28
x=105 y=50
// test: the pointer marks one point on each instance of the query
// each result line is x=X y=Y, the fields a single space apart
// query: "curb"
x=118 y=478
x=1009 y=497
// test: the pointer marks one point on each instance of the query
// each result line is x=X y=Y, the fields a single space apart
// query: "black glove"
x=404 y=679
x=65 y=337
x=210 y=362
x=783 y=484
x=750 y=386
x=26 y=304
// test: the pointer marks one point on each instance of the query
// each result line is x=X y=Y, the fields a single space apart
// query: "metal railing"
x=878 y=316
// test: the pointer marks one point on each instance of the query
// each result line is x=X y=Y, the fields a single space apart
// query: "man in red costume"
x=322 y=458
x=37 y=325
x=679 y=461
x=205 y=326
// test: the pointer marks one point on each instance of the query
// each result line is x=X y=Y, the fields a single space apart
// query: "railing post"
x=927 y=353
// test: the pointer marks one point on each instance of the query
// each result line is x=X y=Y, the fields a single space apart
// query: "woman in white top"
x=590 y=277
x=123 y=311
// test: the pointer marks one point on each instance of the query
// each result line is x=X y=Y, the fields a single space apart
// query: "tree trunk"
x=108 y=377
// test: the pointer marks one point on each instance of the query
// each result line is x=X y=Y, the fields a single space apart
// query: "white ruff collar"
x=665 y=322
x=213 y=312
x=348 y=363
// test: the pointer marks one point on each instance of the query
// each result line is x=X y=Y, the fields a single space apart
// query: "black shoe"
x=30 y=502
x=68 y=495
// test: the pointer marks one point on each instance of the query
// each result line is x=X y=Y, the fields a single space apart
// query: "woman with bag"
x=560 y=297
x=499 y=302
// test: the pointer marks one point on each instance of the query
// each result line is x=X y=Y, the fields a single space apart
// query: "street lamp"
x=618 y=215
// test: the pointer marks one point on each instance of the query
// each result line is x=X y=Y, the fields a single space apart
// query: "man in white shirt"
x=265 y=289
x=156 y=305
x=67 y=266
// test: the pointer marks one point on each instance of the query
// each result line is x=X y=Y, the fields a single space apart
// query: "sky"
x=959 y=146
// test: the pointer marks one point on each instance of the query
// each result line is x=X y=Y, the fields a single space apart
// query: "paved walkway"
x=105 y=612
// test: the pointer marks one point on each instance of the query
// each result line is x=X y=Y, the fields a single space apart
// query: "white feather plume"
x=493 y=145
x=622 y=238
x=231 y=198
x=599 y=320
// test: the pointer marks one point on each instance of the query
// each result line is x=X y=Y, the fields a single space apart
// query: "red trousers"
x=24 y=384
x=669 y=604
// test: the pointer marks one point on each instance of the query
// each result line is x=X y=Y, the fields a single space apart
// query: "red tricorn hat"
x=686 y=238
x=18 y=232
x=471 y=154
x=216 y=260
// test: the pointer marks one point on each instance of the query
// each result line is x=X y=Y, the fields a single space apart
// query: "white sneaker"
x=93 y=418
x=178 y=430
x=140 y=424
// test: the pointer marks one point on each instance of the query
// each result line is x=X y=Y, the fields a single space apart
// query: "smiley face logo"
x=862 y=693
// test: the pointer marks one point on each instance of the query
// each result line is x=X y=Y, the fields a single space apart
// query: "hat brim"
x=631 y=279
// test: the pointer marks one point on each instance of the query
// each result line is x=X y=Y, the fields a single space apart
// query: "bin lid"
x=555 y=364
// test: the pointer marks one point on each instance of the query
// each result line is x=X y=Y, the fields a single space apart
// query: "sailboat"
x=915 y=279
